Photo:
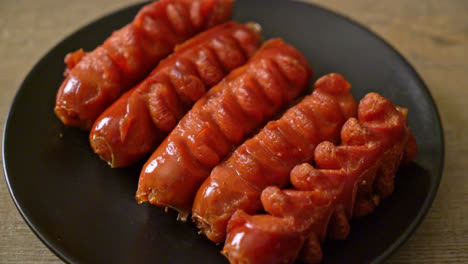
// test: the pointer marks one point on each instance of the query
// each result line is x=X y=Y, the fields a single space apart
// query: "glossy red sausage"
x=296 y=219
x=220 y=120
x=325 y=198
x=267 y=158
x=96 y=79
x=137 y=122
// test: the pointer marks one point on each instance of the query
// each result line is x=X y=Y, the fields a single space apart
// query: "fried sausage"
x=325 y=197
x=138 y=121
x=96 y=79
x=220 y=120
x=295 y=220
x=267 y=158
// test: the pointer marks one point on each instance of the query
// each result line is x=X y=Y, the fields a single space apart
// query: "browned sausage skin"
x=96 y=79
x=136 y=123
x=268 y=157
x=220 y=120
x=326 y=197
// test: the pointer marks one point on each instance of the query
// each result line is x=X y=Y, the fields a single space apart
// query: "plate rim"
x=384 y=255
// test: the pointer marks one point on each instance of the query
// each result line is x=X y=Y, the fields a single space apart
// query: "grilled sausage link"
x=137 y=122
x=268 y=157
x=220 y=120
x=96 y=79
x=325 y=197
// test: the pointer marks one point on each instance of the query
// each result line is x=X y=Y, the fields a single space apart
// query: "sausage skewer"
x=220 y=120
x=96 y=79
x=268 y=157
x=139 y=120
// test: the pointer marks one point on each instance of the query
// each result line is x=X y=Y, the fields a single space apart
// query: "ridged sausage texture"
x=219 y=121
x=268 y=157
x=96 y=79
x=325 y=197
x=137 y=122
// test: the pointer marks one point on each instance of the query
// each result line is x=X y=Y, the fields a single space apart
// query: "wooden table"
x=431 y=34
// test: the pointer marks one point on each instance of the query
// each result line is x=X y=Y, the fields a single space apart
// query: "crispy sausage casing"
x=371 y=151
x=136 y=123
x=96 y=79
x=268 y=157
x=280 y=236
x=220 y=120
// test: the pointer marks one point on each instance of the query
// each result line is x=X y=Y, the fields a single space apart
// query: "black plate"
x=85 y=211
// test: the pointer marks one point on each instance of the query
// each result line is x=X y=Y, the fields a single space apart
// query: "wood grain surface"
x=431 y=34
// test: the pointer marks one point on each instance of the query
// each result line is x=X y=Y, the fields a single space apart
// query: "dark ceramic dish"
x=85 y=212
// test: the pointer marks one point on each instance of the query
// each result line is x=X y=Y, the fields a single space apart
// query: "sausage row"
x=189 y=171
